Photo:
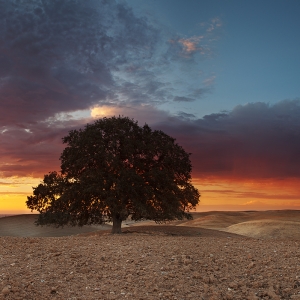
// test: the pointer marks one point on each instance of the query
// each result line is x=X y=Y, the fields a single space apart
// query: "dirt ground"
x=168 y=262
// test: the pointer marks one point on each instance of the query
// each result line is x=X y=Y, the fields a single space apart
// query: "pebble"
x=6 y=290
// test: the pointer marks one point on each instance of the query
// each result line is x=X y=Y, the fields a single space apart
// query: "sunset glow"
x=104 y=111
x=221 y=194
x=216 y=194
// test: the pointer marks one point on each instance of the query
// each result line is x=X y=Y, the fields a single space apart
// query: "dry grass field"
x=217 y=255
x=277 y=224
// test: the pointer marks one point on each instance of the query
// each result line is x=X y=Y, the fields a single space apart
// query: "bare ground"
x=150 y=262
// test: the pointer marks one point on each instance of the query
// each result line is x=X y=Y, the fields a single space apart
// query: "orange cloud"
x=241 y=194
x=191 y=45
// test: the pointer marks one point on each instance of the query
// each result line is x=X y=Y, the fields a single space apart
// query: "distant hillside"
x=5 y=215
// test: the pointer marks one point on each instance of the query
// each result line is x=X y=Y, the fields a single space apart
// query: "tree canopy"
x=114 y=169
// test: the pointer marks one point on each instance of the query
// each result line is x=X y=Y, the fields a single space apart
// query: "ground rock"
x=6 y=290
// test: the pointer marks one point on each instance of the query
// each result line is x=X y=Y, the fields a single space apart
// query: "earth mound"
x=267 y=229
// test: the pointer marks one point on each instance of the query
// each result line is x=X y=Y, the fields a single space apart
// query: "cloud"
x=183 y=99
x=209 y=81
x=33 y=150
x=199 y=93
x=195 y=94
x=186 y=116
x=62 y=56
x=252 y=141
x=146 y=113
x=214 y=24
x=201 y=44
x=61 y=59
x=192 y=44
x=65 y=56
x=184 y=47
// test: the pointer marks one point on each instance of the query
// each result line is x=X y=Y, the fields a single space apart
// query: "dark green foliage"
x=113 y=169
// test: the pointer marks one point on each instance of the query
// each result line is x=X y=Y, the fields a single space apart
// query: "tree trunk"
x=117 y=221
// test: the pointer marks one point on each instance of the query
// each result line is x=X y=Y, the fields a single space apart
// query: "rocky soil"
x=168 y=263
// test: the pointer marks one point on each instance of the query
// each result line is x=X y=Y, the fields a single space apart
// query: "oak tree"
x=112 y=170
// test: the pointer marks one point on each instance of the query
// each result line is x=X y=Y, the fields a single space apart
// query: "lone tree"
x=113 y=169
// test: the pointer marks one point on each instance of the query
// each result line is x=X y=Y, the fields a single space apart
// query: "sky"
x=222 y=77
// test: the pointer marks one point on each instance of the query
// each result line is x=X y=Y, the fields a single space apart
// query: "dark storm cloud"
x=57 y=57
x=60 y=56
x=256 y=140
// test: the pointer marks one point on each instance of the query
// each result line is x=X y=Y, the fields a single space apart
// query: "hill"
x=283 y=224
